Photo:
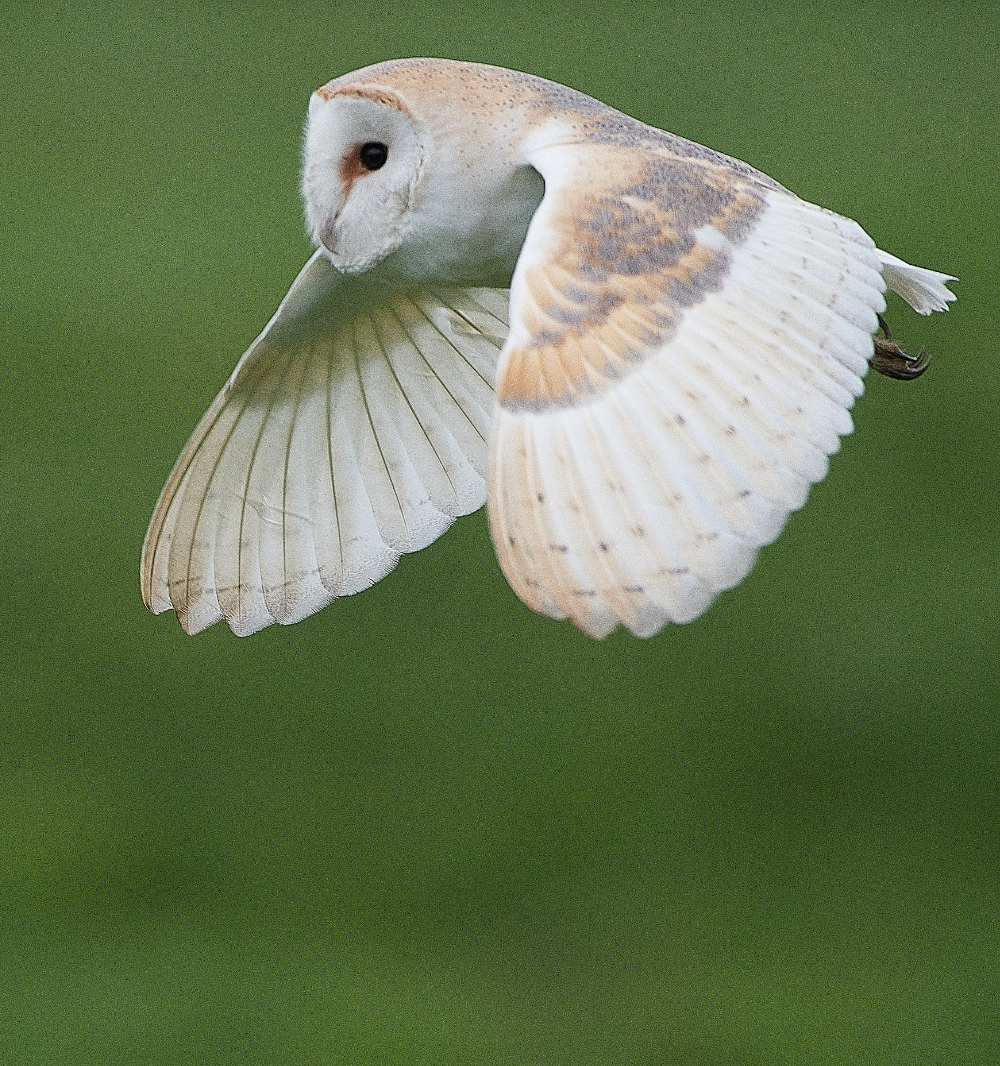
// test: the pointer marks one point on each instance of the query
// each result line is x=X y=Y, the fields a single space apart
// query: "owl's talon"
x=889 y=359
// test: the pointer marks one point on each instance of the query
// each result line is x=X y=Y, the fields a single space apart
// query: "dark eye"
x=373 y=155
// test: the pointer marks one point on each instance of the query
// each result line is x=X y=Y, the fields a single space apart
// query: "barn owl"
x=638 y=352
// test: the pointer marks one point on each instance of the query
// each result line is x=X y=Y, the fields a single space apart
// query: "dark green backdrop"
x=425 y=825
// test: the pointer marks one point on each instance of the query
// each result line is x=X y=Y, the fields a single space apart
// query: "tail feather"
x=924 y=290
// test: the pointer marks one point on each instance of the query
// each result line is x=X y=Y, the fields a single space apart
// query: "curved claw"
x=889 y=359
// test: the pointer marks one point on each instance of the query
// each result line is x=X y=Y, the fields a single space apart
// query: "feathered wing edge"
x=353 y=430
x=639 y=507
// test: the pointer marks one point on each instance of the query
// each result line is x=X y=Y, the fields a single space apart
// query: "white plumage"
x=685 y=340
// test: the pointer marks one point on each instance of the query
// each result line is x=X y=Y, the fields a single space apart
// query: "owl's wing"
x=352 y=430
x=685 y=344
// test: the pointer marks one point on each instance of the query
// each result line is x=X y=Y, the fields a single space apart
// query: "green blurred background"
x=426 y=825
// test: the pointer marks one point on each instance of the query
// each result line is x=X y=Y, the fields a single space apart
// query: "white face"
x=380 y=178
x=364 y=162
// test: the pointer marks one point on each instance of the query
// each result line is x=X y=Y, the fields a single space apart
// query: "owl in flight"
x=636 y=351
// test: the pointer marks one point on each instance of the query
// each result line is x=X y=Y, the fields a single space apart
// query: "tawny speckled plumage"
x=675 y=359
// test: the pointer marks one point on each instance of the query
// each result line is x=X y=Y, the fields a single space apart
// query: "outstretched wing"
x=354 y=429
x=685 y=346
